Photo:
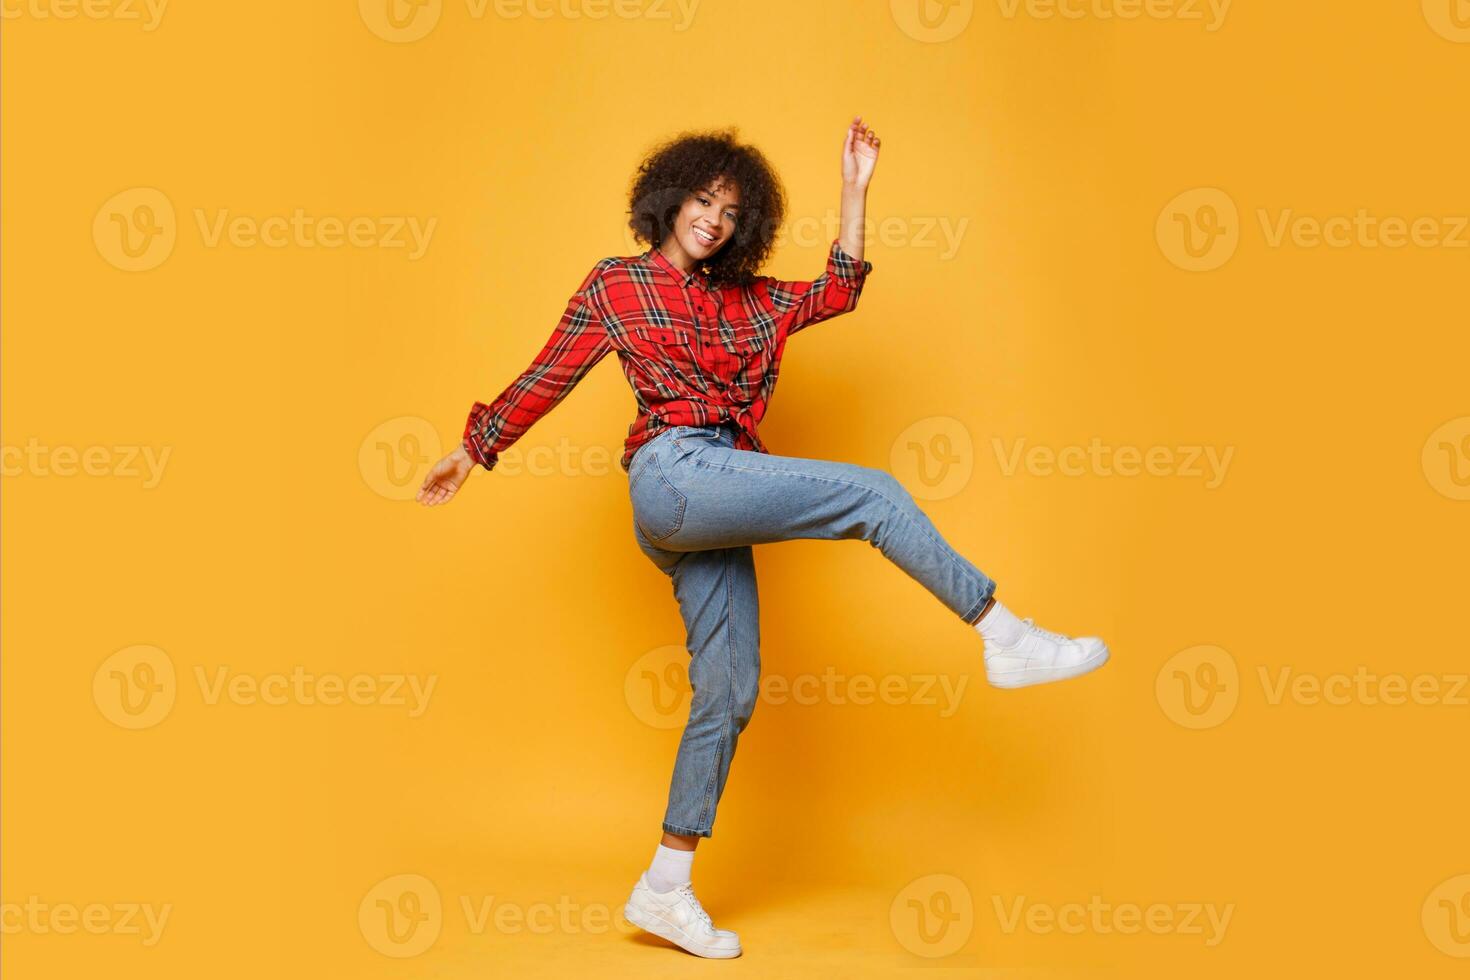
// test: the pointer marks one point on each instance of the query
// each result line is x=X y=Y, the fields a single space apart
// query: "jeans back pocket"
x=658 y=506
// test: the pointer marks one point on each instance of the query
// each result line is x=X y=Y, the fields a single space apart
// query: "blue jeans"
x=699 y=504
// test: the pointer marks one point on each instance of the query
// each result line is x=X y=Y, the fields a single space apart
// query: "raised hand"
x=859 y=153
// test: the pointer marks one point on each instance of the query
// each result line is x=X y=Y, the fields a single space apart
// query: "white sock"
x=1000 y=627
x=670 y=868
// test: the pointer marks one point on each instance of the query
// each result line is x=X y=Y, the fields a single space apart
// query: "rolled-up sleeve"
x=798 y=304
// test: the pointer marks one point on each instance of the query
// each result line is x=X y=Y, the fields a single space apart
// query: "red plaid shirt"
x=694 y=354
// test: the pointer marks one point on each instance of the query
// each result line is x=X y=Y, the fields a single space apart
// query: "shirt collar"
x=657 y=259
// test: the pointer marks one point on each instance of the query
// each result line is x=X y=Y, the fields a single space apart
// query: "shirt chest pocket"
x=670 y=346
x=749 y=346
x=745 y=351
x=743 y=337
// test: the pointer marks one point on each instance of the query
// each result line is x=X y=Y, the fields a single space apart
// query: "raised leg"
x=692 y=491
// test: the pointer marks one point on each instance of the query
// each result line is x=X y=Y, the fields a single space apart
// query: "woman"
x=700 y=335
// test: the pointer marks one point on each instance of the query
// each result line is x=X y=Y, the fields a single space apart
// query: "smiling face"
x=705 y=222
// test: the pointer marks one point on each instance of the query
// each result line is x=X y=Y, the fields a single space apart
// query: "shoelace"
x=1030 y=624
x=688 y=892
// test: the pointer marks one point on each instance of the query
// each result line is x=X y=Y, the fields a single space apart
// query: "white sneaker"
x=678 y=917
x=1040 y=656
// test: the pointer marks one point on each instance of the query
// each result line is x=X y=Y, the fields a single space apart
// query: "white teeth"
x=704 y=235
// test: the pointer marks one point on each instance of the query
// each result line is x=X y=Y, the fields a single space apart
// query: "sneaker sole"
x=1045 y=675
x=665 y=930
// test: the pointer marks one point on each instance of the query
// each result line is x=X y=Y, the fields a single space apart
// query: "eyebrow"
x=709 y=193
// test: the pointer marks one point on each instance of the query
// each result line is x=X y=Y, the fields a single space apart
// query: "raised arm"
x=859 y=157
x=576 y=345
x=836 y=291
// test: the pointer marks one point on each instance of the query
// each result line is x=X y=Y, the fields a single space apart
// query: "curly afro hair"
x=676 y=168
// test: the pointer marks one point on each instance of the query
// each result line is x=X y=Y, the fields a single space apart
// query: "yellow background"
x=267 y=544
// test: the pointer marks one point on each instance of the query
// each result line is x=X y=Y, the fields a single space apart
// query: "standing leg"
x=716 y=592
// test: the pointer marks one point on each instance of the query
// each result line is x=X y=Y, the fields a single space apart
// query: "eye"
x=702 y=200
